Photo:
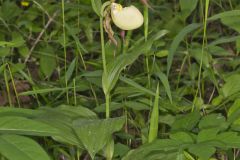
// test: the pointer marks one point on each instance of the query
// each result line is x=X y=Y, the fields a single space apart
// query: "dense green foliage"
x=168 y=90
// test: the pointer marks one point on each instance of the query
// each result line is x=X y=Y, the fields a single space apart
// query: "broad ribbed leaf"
x=15 y=147
x=21 y=125
x=94 y=134
x=166 y=146
x=21 y=112
x=61 y=118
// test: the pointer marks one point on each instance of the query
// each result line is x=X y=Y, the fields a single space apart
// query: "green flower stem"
x=107 y=106
x=146 y=37
x=107 y=96
x=103 y=46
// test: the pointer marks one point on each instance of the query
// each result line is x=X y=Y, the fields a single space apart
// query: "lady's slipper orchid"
x=127 y=18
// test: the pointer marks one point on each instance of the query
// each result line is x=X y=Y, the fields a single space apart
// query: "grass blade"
x=177 y=41
x=136 y=85
x=163 y=78
x=153 y=130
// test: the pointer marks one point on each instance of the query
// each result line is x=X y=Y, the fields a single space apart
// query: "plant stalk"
x=64 y=49
x=107 y=96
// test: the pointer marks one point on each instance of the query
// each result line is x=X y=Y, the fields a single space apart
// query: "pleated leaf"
x=15 y=147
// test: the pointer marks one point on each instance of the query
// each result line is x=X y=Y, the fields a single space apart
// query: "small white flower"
x=127 y=18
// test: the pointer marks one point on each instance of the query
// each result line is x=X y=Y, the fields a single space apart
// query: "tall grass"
x=64 y=48
x=204 y=43
x=154 y=118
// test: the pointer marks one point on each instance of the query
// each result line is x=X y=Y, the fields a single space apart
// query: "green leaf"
x=212 y=121
x=15 y=147
x=233 y=115
x=232 y=86
x=115 y=67
x=120 y=149
x=206 y=57
x=57 y=122
x=153 y=129
x=180 y=156
x=6 y=44
x=24 y=126
x=136 y=105
x=48 y=61
x=136 y=85
x=230 y=139
x=184 y=137
x=167 y=119
x=67 y=134
x=48 y=90
x=5 y=51
x=225 y=14
x=97 y=5
x=24 y=51
x=76 y=111
x=187 y=7
x=203 y=152
x=9 y=10
x=15 y=43
x=238 y=44
x=223 y=40
x=2 y=67
x=109 y=149
x=163 y=78
x=229 y=18
x=61 y=118
x=70 y=70
x=186 y=122
x=21 y=112
x=76 y=39
x=94 y=134
x=162 y=155
x=176 y=42
x=232 y=22
x=162 y=53
x=111 y=50
x=206 y=135
x=160 y=145
x=17 y=40
x=234 y=108
x=188 y=156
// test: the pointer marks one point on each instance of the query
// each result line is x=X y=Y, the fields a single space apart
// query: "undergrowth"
x=74 y=86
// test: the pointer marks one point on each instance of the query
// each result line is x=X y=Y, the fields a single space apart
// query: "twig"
x=40 y=35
